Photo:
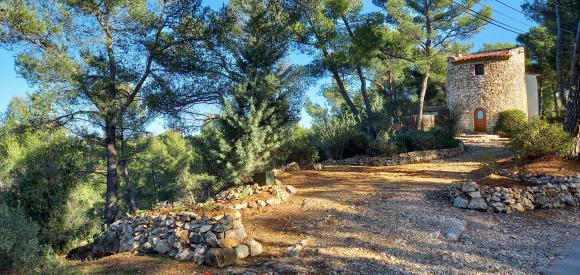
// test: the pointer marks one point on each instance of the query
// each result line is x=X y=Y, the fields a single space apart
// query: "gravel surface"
x=398 y=220
x=385 y=220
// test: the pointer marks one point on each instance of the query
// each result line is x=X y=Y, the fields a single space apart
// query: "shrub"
x=20 y=248
x=340 y=136
x=50 y=183
x=508 y=121
x=384 y=145
x=302 y=148
x=436 y=138
x=539 y=138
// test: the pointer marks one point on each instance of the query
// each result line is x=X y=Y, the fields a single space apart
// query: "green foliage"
x=384 y=145
x=509 y=121
x=48 y=174
x=233 y=147
x=539 y=138
x=436 y=138
x=497 y=46
x=263 y=102
x=20 y=248
x=167 y=168
x=488 y=165
x=302 y=148
x=51 y=182
x=340 y=136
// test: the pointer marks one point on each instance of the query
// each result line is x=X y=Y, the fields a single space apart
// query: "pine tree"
x=435 y=27
x=99 y=57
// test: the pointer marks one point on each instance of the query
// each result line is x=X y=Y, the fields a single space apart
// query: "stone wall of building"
x=501 y=87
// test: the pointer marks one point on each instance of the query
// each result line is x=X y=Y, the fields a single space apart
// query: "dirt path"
x=398 y=220
x=392 y=220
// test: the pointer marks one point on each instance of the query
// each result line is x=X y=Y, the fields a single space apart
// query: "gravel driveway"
x=398 y=220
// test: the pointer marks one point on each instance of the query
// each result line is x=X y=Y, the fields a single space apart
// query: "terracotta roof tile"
x=502 y=54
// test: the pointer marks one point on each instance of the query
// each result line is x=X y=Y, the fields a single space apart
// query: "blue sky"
x=12 y=85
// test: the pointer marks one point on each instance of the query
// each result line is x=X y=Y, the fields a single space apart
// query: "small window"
x=480 y=115
x=478 y=69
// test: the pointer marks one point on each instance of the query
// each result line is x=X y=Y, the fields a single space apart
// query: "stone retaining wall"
x=546 y=192
x=416 y=156
x=216 y=241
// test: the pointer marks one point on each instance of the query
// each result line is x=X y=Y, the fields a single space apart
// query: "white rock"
x=291 y=189
x=242 y=251
x=254 y=246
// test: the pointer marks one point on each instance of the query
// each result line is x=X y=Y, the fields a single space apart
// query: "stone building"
x=480 y=85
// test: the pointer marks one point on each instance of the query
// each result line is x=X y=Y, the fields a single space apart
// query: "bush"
x=20 y=248
x=50 y=182
x=340 y=136
x=302 y=148
x=436 y=138
x=384 y=145
x=539 y=138
x=508 y=121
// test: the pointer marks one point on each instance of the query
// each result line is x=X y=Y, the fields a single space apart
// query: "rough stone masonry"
x=217 y=241
x=500 y=87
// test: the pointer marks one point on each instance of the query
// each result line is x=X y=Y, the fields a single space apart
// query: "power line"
x=499 y=12
x=506 y=5
x=510 y=7
x=489 y=20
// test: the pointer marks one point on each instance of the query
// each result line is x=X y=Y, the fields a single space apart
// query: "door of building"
x=479 y=120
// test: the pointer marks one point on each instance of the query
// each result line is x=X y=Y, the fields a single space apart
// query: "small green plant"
x=488 y=165
x=246 y=192
x=509 y=121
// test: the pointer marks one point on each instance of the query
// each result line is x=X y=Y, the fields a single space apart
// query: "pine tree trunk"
x=559 y=55
x=111 y=203
x=424 y=83
x=572 y=106
x=129 y=188
x=368 y=106
x=363 y=88
x=344 y=94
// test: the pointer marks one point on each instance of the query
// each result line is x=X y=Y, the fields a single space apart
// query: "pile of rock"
x=278 y=193
x=404 y=158
x=294 y=166
x=470 y=195
x=216 y=241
